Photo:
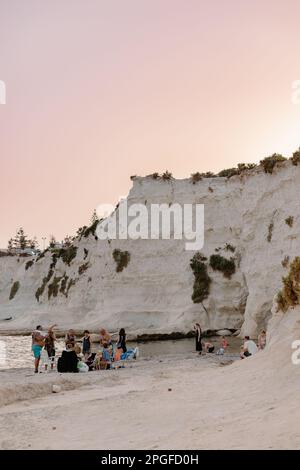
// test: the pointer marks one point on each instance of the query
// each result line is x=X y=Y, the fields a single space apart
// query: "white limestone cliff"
x=153 y=293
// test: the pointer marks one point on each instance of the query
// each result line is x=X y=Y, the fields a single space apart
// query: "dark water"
x=183 y=346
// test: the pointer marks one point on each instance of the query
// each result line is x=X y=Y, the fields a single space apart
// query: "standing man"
x=198 y=333
x=38 y=342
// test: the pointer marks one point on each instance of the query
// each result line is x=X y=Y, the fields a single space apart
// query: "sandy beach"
x=178 y=401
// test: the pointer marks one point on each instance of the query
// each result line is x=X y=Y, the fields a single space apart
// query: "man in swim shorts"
x=38 y=342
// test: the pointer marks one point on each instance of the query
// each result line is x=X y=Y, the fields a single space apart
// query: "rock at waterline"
x=223 y=333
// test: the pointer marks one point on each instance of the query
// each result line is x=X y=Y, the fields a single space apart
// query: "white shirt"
x=42 y=333
x=251 y=347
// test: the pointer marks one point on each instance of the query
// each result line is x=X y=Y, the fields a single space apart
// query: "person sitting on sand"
x=38 y=342
x=223 y=346
x=262 y=340
x=70 y=338
x=97 y=360
x=249 y=348
x=105 y=337
x=198 y=335
x=68 y=361
x=118 y=354
x=90 y=360
x=86 y=344
x=209 y=347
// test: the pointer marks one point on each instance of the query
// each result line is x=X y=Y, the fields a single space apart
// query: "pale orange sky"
x=100 y=90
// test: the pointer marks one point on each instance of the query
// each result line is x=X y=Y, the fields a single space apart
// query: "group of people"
x=43 y=345
x=74 y=356
x=249 y=347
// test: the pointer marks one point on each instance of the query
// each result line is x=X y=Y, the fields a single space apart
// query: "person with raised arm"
x=38 y=342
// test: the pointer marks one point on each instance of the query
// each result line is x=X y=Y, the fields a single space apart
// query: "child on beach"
x=70 y=338
x=106 y=357
x=262 y=340
x=208 y=347
x=86 y=344
x=118 y=354
x=223 y=346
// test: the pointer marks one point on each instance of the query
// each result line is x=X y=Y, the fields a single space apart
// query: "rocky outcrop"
x=245 y=218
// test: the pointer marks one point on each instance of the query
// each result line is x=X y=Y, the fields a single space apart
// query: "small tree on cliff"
x=21 y=241
x=68 y=241
x=10 y=245
x=33 y=244
x=94 y=217
x=52 y=241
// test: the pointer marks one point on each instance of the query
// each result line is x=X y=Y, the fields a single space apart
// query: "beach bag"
x=131 y=353
x=82 y=367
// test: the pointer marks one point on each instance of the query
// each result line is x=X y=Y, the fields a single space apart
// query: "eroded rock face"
x=153 y=293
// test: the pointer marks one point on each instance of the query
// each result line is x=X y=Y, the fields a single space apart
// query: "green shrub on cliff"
x=246 y=166
x=195 y=177
x=83 y=267
x=121 y=258
x=289 y=221
x=296 y=157
x=46 y=279
x=269 y=163
x=290 y=293
x=14 y=289
x=91 y=230
x=154 y=176
x=68 y=254
x=270 y=231
x=226 y=266
x=229 y=247
x=71 y=283
x=202 y=280
x=28 y=265
x=228 y=172
x=167 y=176
x=53 y=288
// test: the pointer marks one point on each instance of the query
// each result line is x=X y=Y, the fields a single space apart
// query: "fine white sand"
x=182 y=401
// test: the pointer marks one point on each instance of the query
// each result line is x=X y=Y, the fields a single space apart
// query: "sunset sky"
x=99 y=90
